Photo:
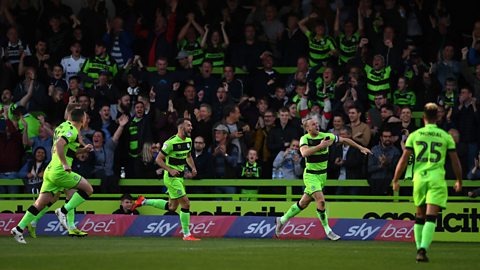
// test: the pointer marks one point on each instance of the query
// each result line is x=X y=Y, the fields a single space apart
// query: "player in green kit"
x=59 y=176
x=72 y=229
x=429 y=145
x=175 y=153
x=314 y=148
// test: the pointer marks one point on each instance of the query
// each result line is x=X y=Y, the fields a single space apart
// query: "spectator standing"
x=40 y=60
x=347 y=163
x=247 y=54
x=360 y=131
x=104 y=150
x=381 y=164
x=57 y=38
x=338 y=123
x=289 y=161
x=11 y=153
x=293 y=43
x=408 y=126
x=250 y=170
x=43 y=140
x=379 y=76
x=321 y=46
x=447 y=66
x=203 y=126
x=206 y=83
x=14 y=49
x=282 y=134
x=239 y=133
x=138 y=132
x=273 y=28
x=347 y=39
x=162 y=81
x=203 y=162
x=105 y=122
x=233 y=84
x=93 y=66
x=264 y=80
x=31 y=93
x=404 y=96
x=215 y=47
x=449 y=95
x=225 y=158
x=473 y=79
x=73 y=63
x=261 y=142
x=32 y=171
x=466 y=118
x=474 y=173
x=189 y=42
x=159 y=41
x=119 y=42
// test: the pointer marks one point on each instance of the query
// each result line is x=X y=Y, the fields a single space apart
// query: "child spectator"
x=126 y=203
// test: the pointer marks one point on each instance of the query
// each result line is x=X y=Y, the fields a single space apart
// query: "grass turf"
x=247 y=254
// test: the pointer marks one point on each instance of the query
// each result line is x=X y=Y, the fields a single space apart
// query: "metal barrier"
x=287 y=184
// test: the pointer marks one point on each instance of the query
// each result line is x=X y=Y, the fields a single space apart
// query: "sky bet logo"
x=161 y=228
x=363 y=231
x=262 y=229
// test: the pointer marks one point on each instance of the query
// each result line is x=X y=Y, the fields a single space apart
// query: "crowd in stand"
x=359 y=67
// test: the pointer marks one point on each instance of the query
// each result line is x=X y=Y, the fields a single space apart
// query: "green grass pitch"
x=248 y=254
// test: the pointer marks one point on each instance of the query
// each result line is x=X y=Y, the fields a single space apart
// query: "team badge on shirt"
x=165 y=146
x=69 y=134
x=188 y=145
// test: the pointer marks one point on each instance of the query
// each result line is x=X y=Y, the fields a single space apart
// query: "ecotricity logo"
x=162 y=228
x=468 y=221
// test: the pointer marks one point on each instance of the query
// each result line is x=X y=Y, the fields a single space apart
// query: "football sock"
x=322 y=215
x=293 y=211
x=41 y=214
x=157 y=203
x=30 y=215
x=70 y=218
x=428 y=231
x=78 y=198
x=185 y=221
x=417 y=230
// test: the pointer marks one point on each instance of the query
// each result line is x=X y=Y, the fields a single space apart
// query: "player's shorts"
x=175 y=187
x=427 y=191
x=314 y=182
x=56 y=181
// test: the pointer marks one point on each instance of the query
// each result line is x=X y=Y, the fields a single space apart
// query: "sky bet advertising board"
x=352 y=220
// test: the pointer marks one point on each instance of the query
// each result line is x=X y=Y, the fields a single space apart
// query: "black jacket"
x=354 y=163
x=120 y=211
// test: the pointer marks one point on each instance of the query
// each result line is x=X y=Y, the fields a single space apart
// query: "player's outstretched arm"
x=352 y=143
x=401 y=166
x=457 y=169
